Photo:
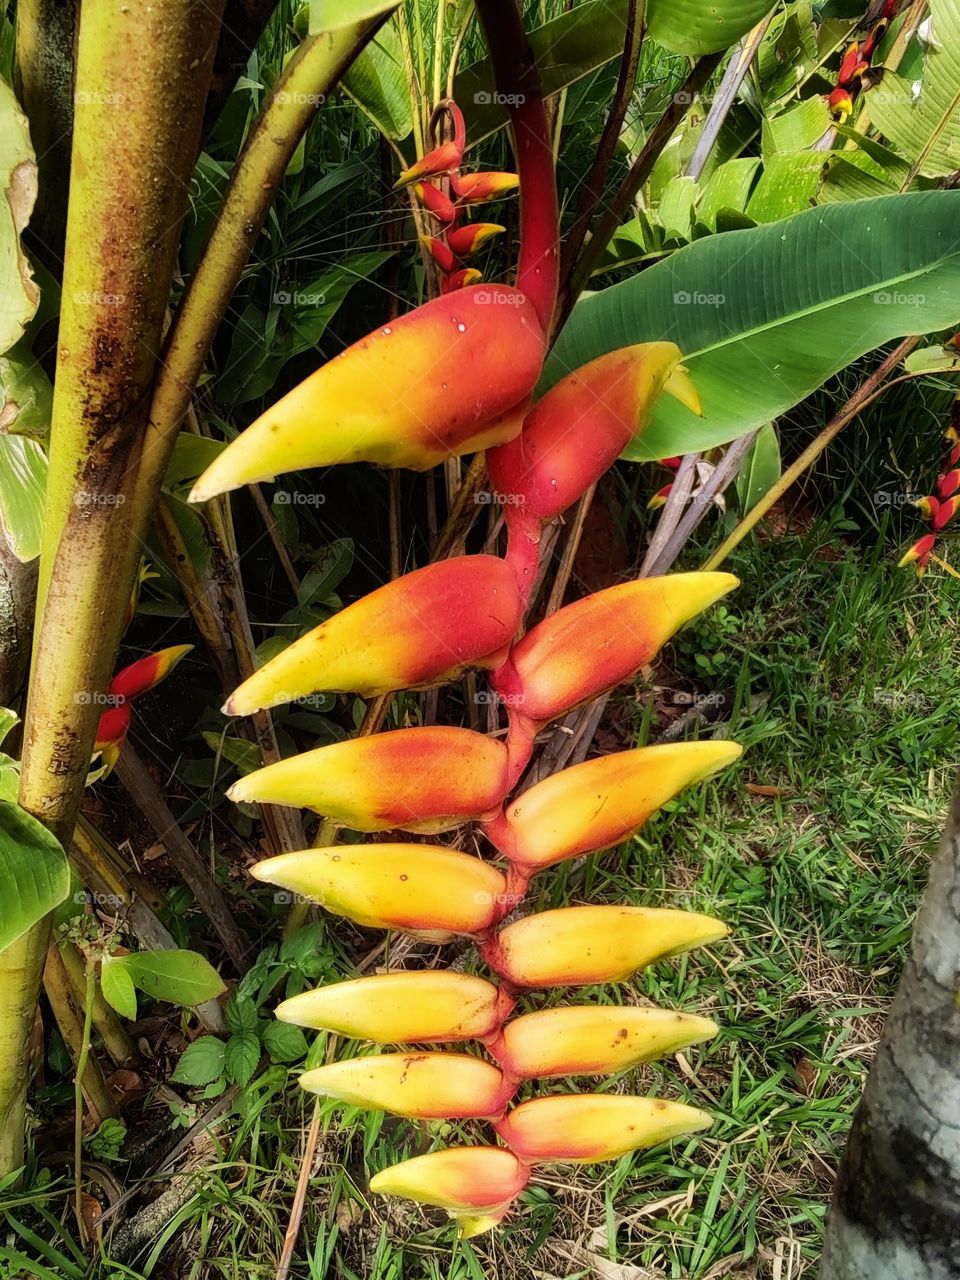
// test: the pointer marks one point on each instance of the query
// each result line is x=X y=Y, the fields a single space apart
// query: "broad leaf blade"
x=117 y=986
x=921 y=119
x=377 y=82
x=34 y=873
x=180 y=977
x=23 y=482
x=764 y=316
x=761 y=468
x=692 y=27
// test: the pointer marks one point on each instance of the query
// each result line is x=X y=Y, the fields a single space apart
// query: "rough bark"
x=896 y=1208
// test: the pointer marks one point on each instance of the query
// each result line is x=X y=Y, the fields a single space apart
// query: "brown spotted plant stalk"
x=452 y=377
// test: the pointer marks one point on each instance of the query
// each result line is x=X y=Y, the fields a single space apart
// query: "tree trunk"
x=896 y=1207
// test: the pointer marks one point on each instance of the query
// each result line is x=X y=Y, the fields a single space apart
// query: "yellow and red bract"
x=112 y=729
x=425 y=1006
x=476 y=188
x=586 y=1127
x=583 y=424
x=456 y=280
x=440 y=160
x=467 y=240
x=129 y=683
x=146 y=673
x=476 y=1185
x=601 y=802
x=422 y=889
x=425 y=780
x=436 y=202
x=590 y=646
x=440 y=252
x=451 y=377
x=425 y=1086
x=577 y=946
x=594 y=1039
x=417 y=631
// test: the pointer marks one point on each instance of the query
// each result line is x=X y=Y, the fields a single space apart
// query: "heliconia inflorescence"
x=855 y=65
x=941 y=506
x=416 y=392
x=126 y=686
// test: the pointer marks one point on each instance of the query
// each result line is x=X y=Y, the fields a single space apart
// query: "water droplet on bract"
x=387 y=329
x=461 y=327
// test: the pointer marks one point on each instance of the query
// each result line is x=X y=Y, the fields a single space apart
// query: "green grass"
x=846 y=678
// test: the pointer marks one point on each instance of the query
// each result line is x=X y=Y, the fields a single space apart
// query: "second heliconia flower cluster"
x=453 y=242
x=941 y=506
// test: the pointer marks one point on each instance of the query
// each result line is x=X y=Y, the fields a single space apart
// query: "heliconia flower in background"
x=854 y=73
x=467 y=240
x=444 y=158
x=941 y=506
x=436 y=202
x=127 y=685
x=440 y=252
x=418 y=631
x=477 y=188
x=454 y=280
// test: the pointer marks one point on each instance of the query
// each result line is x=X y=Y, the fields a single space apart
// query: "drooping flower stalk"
x=430 y=626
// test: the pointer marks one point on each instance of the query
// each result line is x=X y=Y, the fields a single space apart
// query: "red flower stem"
x=518 y=83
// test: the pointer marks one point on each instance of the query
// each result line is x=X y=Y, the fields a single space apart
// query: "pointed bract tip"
x=680 y=385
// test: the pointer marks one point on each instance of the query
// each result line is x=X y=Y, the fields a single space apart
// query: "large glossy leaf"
x=34 y=873
x=23 y=479
x=19 y=294
x=693 y=27
x=378 y=84
x=566 y=49
x=764 y=316
x=920 y=116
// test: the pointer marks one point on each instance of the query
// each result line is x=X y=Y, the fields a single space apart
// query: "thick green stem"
x=143 y=68
x=21 y=968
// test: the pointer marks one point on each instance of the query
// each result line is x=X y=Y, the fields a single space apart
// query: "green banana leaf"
x=34 y=872
x=692 y=27
x=764 y=316
x=920 y=117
